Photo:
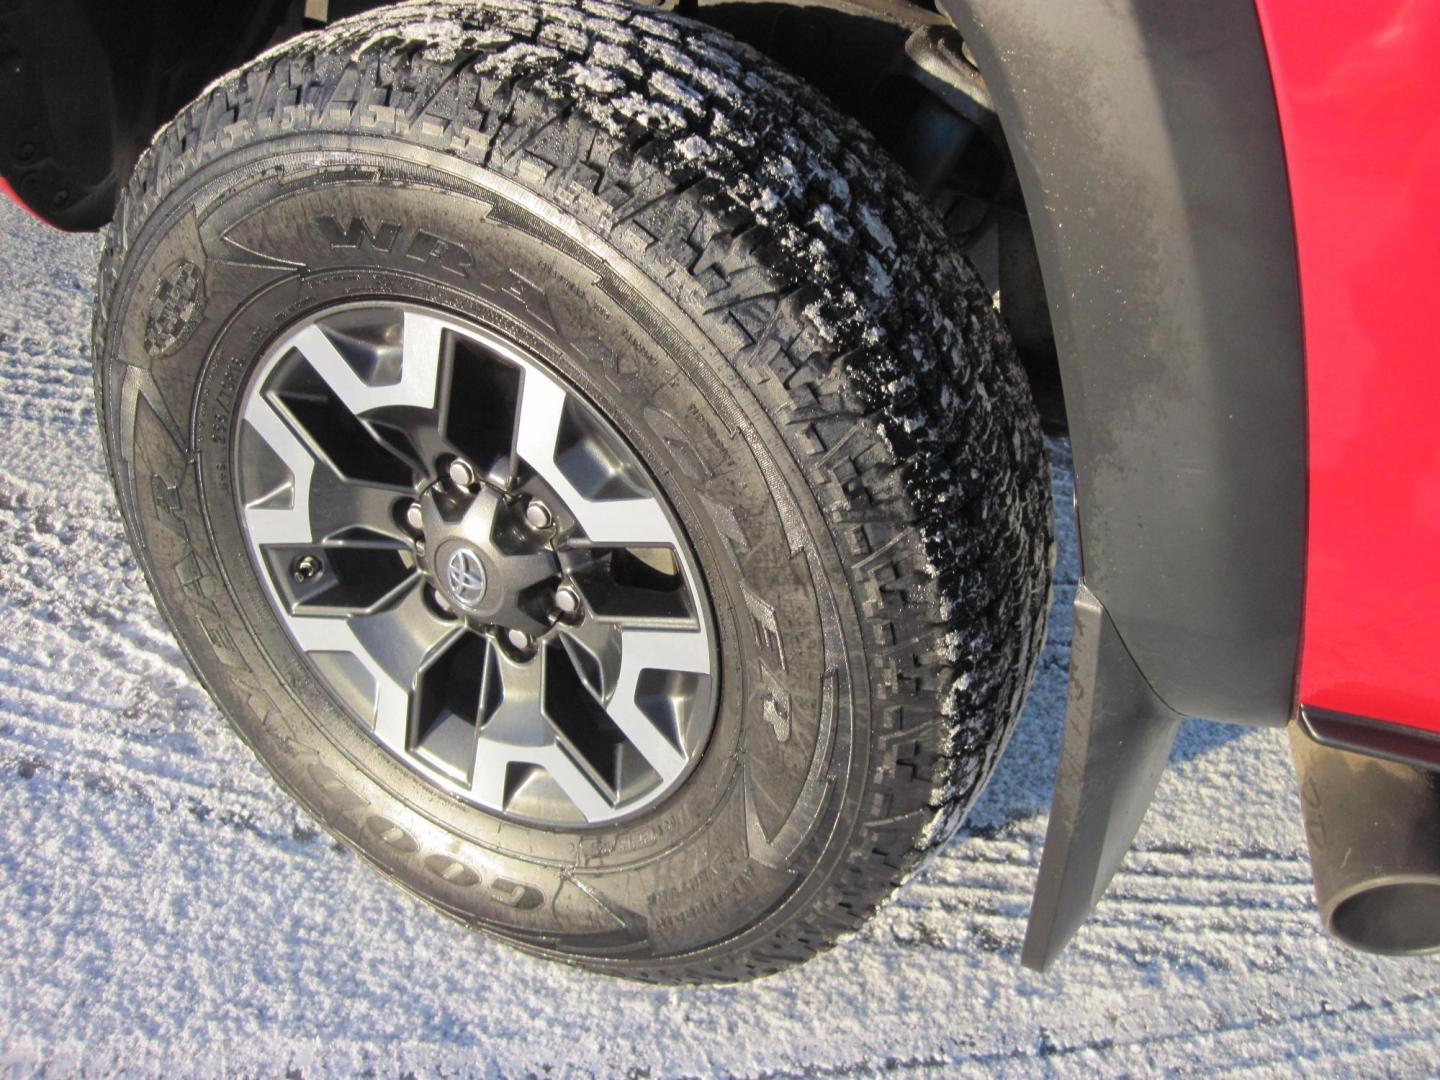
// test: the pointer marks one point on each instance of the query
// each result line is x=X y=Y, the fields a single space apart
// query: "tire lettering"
x=358 y=233
x=776 y=709
x=391 y=835
x=452 y=870
x=776 y=705
x=167 y=502
x=449 y=256
x=513 y=894
x=335 y=789
x=422 y=247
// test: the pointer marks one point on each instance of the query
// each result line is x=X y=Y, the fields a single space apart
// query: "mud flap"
x=1118 y=735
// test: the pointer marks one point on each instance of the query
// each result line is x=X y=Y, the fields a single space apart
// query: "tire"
x=746 y=290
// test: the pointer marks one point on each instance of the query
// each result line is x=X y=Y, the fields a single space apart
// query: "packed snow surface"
x=165 y=909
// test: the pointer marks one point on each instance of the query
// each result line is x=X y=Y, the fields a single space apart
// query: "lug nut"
x=414 y=517
x=567 y=600
x=519 y=639
x=438 y=598
x=305 y=568
x=461 y=474
x=537 y=515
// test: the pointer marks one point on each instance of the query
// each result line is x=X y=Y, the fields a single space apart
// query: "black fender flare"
x=1147 y=144
x=1148 y=149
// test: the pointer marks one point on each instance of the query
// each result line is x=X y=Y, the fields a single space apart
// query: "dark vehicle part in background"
x=86 y=83
x=1183 y=374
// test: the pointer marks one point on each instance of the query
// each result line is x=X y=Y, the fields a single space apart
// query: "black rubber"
x=818 y=383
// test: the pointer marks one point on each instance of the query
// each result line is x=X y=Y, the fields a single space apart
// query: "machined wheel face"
x=476 y=564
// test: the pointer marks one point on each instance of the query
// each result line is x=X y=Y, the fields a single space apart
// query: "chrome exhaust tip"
x=1373 y=828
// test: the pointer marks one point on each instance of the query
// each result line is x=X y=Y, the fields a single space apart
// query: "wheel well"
x=88 y=82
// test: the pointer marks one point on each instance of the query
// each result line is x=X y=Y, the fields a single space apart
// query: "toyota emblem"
x=465 y=574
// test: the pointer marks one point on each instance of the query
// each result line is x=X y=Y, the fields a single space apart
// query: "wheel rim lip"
x=489 y=338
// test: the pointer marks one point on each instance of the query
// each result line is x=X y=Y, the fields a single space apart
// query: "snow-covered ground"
x=164 y=908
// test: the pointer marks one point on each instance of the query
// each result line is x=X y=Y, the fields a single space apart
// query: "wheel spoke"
x=421 y=349
x=289 y=521
x=594 y=649
x=510 y=736
x=575 y=782
x=403 y=414
x=511 y=699
x=654 y=650
x=492 y=769
x=624 y=521
x=531 y=565
x=392 y=645
x=338 y=505
x=610 y=595
x=321 y=501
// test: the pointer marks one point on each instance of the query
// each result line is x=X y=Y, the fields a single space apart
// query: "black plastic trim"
x=1363 y=735
x=1145 y=136
x=1118 y=736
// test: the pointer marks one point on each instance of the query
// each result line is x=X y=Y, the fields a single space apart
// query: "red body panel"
x=1357 y=86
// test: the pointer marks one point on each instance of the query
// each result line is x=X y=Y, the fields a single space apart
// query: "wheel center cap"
x=465 y=576
x=484 y=561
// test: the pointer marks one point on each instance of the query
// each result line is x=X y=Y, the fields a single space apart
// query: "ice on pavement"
x=165 y=909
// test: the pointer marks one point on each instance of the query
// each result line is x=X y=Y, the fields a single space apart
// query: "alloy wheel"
x=476 y=563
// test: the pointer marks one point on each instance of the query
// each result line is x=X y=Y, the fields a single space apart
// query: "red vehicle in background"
x=592 y=453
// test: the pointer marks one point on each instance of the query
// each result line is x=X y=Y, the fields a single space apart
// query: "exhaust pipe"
x=1373 y=828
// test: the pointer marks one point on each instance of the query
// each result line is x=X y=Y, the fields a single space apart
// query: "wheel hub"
x=486 y=563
